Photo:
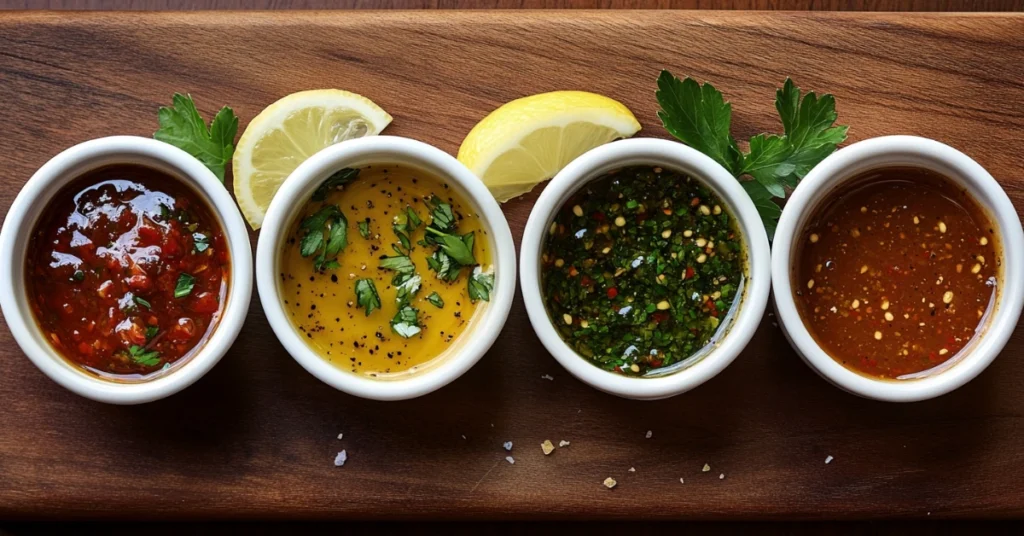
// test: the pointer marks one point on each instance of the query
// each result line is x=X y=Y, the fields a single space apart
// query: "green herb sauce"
x=640 y=267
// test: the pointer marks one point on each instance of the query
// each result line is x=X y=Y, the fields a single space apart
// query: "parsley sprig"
x=326 y=234
x=698 y=115
x=146 y=358
x=183 y=127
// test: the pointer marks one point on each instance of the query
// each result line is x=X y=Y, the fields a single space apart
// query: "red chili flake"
x=597 y=215
x=612 y=293
x=641 y=217
x=573 y=272
x=586 y=280
x=689 y=272
x=660 y=316
x=695 y=201
x=656 y=363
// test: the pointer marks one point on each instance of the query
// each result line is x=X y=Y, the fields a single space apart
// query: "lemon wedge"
x=288 y=132
x=528 y=140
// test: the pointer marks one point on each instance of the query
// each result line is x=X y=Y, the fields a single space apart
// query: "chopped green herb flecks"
x=325 y=236
x=146 y=358
x=142 y=301
x=335 y=181
x=406 y=322
x=480 y=286
x=364 y=228
x=639 y=269
x=184 y=285
x=435 y=300
x=366 y=295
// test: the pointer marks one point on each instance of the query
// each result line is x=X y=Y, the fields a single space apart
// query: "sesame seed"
x=855 y=304
x=942 y=226
x=666 y=233
x=943 y=351
x=584 y=324
x=947 y=297
x=717 y=210
x=559 y=263
x=976 y=268
x=701 y=258
x=916 y=220
x=553 y=228
x=577 y=211
x=634 y=367
x=701 y=242
x=814 y=238
x=567 y=318
x=606 y=250
x=981 y=259
x=888 y=316
x=620 y=221
x=610 y=482
x=810 y=283
x=983 y=241
x=663 y=305
x=864 y=269
x=705 y=210
x=687 y=233
x=885 y=304
x=878 y=335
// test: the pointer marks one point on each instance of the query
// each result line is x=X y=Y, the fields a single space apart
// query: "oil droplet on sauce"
x=323 y=306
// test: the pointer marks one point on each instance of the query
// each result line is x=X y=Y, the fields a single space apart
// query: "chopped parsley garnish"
x=399 y=263
x=444 y=266
x=409 y=286
x=79 y=275
x=406 y=322
x=436 y=300
x=480 y=286
x=329 y=222
x=459 y=248
x=335 y=181
x=200 y=242
x=143 y=302
x=146 y=358
x=366 y=295
x=364 y=228
x=151 y=332
x=183 y=127
x=698 y=116
x=413 y=220
x=441 y=214
x=184 y=286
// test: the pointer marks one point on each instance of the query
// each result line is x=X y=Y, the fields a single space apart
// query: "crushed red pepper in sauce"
x=126 y=271
x=896 y=272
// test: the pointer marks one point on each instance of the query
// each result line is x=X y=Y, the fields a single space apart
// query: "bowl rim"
x=650 y=152
x=23 y=215
x=290 y=198
x=887 y=151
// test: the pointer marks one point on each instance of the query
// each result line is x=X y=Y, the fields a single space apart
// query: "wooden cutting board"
x=258 y=435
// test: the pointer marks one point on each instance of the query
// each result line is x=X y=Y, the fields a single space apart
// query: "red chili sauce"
x=896 y=271
x=127 y=271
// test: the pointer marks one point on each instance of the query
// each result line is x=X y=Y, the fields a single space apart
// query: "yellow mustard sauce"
x=323 y=306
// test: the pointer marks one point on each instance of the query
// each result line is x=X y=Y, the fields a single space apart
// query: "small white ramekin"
x=358 y=153
x=33 y=200
x=678 y=157
x=913 y=151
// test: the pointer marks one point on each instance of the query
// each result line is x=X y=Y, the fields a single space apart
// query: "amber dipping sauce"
x=896 y=271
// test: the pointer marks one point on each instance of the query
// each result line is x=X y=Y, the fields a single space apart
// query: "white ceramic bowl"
x=358 y=153
x=34 y=199
x=889 y=151
x=738 y=327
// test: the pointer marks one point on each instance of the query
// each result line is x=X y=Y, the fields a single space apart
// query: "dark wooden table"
x=930 y=435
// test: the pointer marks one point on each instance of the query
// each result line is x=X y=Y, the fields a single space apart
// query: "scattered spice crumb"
x=547 y=447
x=706 y=468
x=341 y=436
x=548 y=377
x=828 y=460
x=463 y=436
x=507 y=445
x=563 y=443
x=681 y=481
x=610 y=482
x=721 y=476
x=510 y=460
x=649 y=434
x=632 y=469
x=340 y=459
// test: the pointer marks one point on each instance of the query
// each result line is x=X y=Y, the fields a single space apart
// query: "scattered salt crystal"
x=721 y=476
x=563 y=443
x=339 y=460
x=681 y=481
x=632 y=469
x=548 y=377
x=510 y=460
x=507 y=445
x=706 y=468
x=547 y=447
x=463 y=436
x=610 y=482
x=828 y=460
x=340 y=436
x=649 y=434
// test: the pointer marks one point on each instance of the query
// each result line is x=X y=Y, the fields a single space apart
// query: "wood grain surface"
x=790 y=5
x=256 y=437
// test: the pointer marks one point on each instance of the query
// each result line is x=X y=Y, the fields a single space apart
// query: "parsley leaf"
x=435 y=299
x=184 y=286
x=364 y=228
x=441 y=215
x=405 y=323
x=413 y=220
x=366 y=295
x=151 y=332
x=699 y=117
x=142 y=301
x=480 y=286
x=459 y=248
x=328 y=219
x=408 y=288
x=398 y=263
x=446 y=268
x=143 y=357
x=335 y=181
x=183 y=127
x=200 y=242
